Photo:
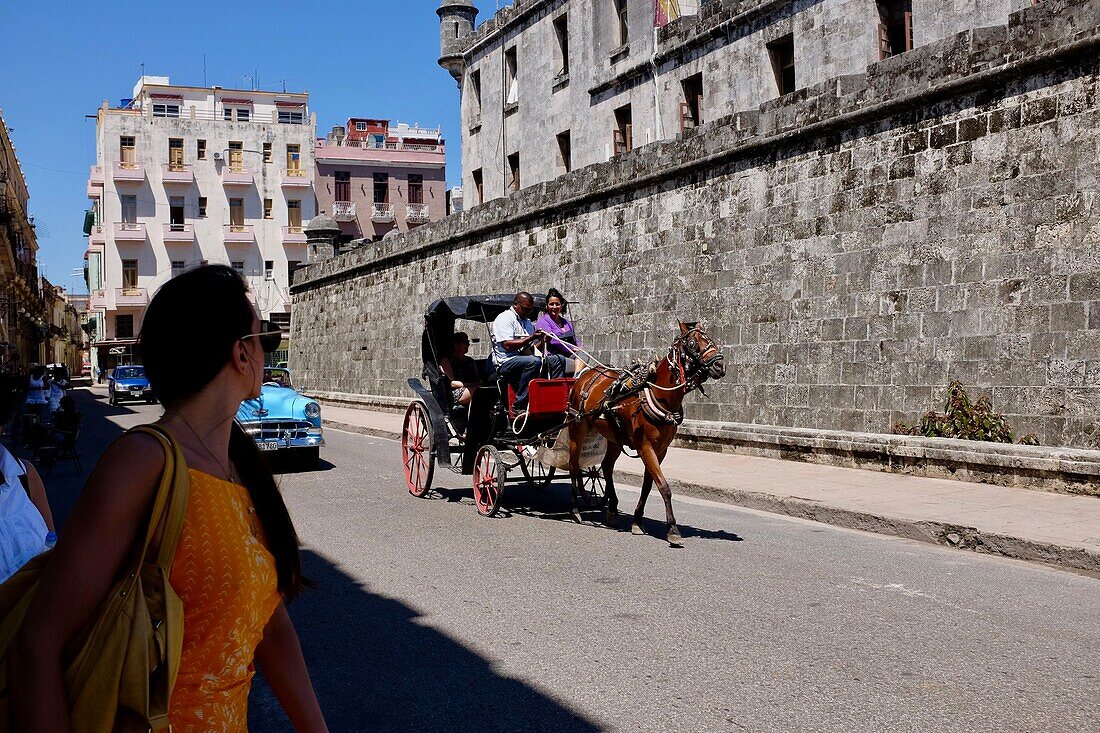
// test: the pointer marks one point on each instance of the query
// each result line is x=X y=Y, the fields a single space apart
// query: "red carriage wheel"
x=416 y=449
x=489 y=475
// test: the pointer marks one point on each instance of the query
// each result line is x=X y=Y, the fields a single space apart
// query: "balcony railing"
x=128 y=172
x=97 y=235
x=381 y=212
x=416 y=213
x=179 y=233
x=239 y=234
x=129 y=297
x=366 y=144
x=296 y=177
x=293 y=235
x=177 y=173
x=95 y=182
x=129 y=231
x=343 y=210
x=97 y=299
x=236 y=176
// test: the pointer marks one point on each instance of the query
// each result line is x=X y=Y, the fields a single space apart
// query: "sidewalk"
x=1057 y=529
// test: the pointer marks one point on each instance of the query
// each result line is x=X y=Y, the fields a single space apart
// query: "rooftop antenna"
x=143 y=72
x=284 y=85
x=255 y=79
x=204 y=69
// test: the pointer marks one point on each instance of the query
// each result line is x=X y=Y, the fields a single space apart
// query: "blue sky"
x=61 y=59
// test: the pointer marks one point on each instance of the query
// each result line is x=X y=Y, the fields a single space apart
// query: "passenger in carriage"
x=562 y=337
x=514 y=341
x=461 y=370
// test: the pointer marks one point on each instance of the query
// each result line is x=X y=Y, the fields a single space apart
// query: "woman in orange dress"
x=237 y=561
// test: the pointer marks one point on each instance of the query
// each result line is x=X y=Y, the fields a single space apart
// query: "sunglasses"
x=270 y=336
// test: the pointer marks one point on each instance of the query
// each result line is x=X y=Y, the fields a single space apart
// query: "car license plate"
x=268 y=445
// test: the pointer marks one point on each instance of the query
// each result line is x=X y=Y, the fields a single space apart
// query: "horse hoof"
x=577 y=517
x=610 y=518
x=675 y=540
x=636 y=529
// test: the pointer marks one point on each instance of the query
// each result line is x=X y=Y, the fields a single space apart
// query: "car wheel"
x=309 y=458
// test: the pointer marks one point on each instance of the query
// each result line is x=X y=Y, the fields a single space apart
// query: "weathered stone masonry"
x=855 y=246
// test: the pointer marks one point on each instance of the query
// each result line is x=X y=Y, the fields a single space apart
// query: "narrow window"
x=129 y=209
x=267 y=208
x=291 y=118
x=782 y=56
x=243 y=114
x=202 y=206
x=624 y=130
x=360 y=126
x=175 y=154
x=267 y=152
x=129 y=274
x=293 y=159
x=269 y=269
x=236 y=214
x=565 y=154
x=895 y=27
x=175 y=214
x=236 y=156
x=513 y=172
x=227 y=113
x=511 y=84
x=343 y=186
x=124 y=325
x=166 y=110
x=200 y=149
x=691 y=108
x=622 y=27
x=381 y=188
x=238 y=265
x=479 y=186
x=416 y=189
x=561 y=49
x=294 y=215
x=475 y=94
x=455 y=28
x=127 y=153
x=178 y=266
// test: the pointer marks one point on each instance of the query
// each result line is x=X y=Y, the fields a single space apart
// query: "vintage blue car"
x=283 y=420
x=129 y=383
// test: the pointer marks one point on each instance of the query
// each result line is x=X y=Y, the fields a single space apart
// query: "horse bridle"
x=700 y=360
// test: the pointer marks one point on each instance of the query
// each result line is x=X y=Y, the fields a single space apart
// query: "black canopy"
x=439 y=321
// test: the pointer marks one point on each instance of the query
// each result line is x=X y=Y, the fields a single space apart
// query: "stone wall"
x=855 y=246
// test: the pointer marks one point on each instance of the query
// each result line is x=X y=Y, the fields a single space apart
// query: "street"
x=428 y=617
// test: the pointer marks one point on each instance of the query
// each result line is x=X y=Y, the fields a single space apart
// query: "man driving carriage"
x=514 y=341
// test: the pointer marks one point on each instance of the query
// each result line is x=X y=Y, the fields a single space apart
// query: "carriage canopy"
x=439 y=320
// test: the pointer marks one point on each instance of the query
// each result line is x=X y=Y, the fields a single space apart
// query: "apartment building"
x=374 y=177
x=548 y=86
x=189 y=175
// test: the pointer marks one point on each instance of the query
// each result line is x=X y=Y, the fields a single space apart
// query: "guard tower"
x=456 y=23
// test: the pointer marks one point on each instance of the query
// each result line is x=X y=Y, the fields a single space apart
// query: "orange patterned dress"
x=226 y=578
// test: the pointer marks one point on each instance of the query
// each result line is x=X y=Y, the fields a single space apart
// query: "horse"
x=643 y=416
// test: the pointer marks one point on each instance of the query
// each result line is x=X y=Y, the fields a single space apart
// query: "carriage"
x=491 y=439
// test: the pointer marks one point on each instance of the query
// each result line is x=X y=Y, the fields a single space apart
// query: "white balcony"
x=128 y=172
x=95 y=182
x=97 y=236
x=416 y=213
x=239 y=234
x=129 y=231
x=343 y=210
x=131 y=297
x=295 y=177
x=236 y=176
x=381 y=212
x=176 y=233
x=293 y=235
x=97 y=299
x=177 y=174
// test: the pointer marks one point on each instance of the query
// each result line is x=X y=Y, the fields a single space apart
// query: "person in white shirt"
x=514 y=341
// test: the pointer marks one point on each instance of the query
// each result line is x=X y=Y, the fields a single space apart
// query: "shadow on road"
x=376 y=667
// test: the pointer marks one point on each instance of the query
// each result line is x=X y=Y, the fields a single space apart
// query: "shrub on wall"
x=965 y=419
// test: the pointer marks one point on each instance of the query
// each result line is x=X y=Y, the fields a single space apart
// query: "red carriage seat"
x=545 y=397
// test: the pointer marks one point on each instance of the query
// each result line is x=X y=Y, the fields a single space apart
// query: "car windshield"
x=135 y=372
x=275 y=375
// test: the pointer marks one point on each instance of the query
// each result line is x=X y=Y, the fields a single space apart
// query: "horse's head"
x=703 y=355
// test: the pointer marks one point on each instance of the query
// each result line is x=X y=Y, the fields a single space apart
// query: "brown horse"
x=644 y=418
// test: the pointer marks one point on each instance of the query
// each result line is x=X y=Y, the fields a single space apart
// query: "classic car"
x=129 y=383
x=282 y=419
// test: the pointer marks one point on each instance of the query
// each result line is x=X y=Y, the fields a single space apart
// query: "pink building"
x=375 y=178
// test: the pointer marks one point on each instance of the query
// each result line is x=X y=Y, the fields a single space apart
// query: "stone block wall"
x=854 y=246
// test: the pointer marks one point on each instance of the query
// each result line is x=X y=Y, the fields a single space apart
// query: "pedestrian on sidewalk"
x=237 y=562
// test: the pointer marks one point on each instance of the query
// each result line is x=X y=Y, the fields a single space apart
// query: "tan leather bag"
x=122 y=676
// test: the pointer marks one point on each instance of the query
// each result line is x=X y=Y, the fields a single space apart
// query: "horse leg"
x=653 y=467
x=576 y=440
x=639 y=512
x=611 y=511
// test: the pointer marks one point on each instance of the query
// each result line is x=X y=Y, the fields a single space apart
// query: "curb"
x=930 y=531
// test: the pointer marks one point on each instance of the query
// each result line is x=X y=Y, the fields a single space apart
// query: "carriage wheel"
x=416 y=449
x=542 y=475
x=593 y=493
x=489 y=475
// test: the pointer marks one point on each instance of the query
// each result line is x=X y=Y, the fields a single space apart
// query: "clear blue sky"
x=61 y=59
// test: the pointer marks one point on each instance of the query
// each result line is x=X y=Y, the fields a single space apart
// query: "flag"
x=665 y=11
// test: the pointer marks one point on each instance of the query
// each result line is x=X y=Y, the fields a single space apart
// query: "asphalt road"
x=429 y=617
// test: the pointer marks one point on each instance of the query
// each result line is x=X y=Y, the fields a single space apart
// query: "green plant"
x=965 y=419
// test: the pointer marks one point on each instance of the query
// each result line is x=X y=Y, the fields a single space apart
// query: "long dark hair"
x=187 y=337
x=555 y=293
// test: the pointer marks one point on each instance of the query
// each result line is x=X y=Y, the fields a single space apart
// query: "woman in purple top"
x=560 y=328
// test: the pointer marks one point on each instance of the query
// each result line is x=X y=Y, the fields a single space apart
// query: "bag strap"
x=170 y=506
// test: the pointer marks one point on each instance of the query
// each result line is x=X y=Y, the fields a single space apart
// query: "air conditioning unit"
x=217 y=156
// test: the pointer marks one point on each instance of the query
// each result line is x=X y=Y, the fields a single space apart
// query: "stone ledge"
x=1062 y=470
x=381 y=403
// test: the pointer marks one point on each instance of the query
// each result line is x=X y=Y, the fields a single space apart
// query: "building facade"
x=190 y=175
x=375 y=178
x=549 y=86
x=22 y=313
x=64 y=341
